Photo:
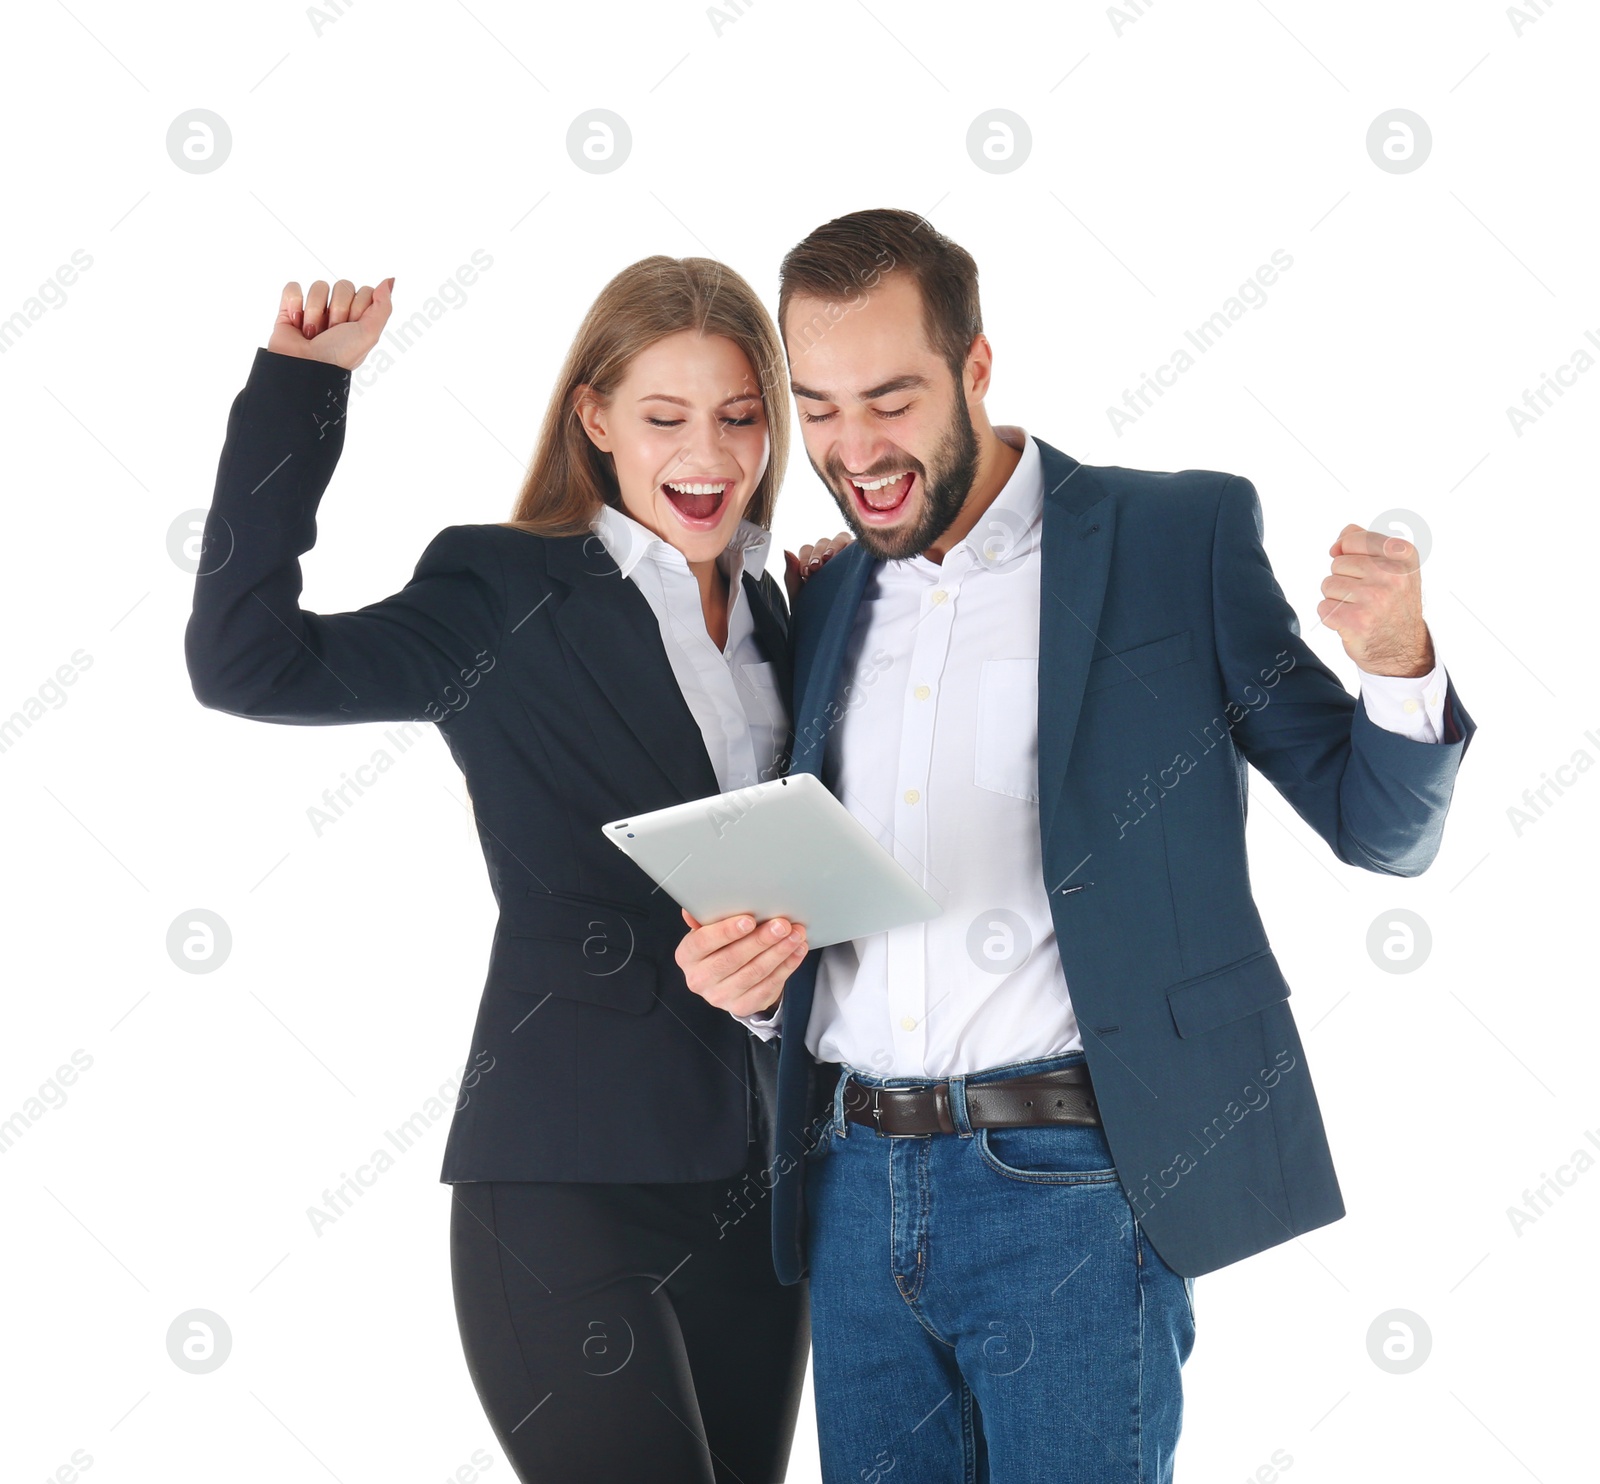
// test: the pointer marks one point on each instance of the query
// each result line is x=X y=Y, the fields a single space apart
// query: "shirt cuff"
x=1413 y=706
x=764 y=1023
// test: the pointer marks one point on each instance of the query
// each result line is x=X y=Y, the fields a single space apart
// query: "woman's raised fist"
x=339 y=327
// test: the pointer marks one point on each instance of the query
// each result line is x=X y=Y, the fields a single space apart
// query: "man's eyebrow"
x=909 y=382
x=679 y=402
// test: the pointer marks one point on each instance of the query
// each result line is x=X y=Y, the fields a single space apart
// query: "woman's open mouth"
x=698 y=502
x=880 y=501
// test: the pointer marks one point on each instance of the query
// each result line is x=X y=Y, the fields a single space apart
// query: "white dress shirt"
x=937 y=755
x=732 y=692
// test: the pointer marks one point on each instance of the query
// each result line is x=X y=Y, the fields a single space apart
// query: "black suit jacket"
x=545 y=672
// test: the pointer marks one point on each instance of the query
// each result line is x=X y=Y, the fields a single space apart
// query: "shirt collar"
x=628 y=542
x=1009 y=528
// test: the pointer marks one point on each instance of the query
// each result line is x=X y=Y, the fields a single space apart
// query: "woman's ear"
x=593 y=416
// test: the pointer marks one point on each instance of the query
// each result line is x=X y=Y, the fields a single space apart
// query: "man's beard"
x=946 y=487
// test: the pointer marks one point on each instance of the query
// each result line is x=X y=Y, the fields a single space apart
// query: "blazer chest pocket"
x=1221 y=996
x=580 y=948
x=1141 y=659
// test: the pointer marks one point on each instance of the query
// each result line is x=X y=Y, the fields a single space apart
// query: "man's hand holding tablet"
x=738 y=964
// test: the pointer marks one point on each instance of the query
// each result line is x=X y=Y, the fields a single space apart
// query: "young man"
x=1009 y=1138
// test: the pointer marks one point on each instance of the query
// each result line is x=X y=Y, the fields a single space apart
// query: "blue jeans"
x=985 y=1307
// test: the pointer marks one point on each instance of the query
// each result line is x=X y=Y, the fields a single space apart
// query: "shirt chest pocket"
x=757 y=685
x=1006 y=746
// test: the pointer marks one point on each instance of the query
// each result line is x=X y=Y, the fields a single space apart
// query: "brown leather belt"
x=1024 y=1101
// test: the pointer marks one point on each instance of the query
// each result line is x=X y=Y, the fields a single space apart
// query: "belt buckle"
x=875 y=1105
x=877 y=1119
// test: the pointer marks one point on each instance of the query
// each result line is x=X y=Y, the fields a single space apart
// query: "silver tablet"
x=787 y=848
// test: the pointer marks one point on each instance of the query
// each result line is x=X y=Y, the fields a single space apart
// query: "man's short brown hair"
x=851 y=255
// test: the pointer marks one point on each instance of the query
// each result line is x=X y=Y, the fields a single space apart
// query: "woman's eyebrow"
x=679 y=401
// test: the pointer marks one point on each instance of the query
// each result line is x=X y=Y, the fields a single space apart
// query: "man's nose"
x=859 y=448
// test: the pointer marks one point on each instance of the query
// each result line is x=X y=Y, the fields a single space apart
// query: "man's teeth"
x=878 y=484
x=696 y=489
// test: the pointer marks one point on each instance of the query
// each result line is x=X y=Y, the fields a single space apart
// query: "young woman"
x=615 y=647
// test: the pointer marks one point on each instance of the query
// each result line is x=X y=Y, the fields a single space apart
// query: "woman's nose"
x=703 y=446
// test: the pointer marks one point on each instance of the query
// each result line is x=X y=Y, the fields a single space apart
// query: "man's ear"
x=979 y=369
x=593 y=416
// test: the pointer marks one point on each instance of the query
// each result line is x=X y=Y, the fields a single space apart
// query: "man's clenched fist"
x=1373 y=601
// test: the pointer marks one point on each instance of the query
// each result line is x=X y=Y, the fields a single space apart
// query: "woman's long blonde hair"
x=569 y=477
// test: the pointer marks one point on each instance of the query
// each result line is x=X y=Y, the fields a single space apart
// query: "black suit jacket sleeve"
x=252 y=650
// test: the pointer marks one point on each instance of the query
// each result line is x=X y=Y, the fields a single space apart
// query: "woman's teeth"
x=696 y=499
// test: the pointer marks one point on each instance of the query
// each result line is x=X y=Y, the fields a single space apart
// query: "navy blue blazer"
x=1168 y=660
x=545 y=673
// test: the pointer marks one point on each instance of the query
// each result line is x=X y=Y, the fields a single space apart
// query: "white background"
x=1172 y=152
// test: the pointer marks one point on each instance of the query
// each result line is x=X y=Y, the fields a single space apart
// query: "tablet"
x=786 y=848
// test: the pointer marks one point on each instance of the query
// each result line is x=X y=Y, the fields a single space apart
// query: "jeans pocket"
x=1050 y=1154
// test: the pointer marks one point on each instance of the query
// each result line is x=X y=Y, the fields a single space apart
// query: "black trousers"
x=630 y=1332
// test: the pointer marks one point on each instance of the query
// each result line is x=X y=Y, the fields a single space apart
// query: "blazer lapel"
x=840 y=585
x=1079 y=528
x=772 y=638
x=818 y=674
x=612 y=628
x=772 y=632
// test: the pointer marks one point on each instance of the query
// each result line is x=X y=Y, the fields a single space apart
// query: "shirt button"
x=922 y=693
x=907 y=1023
x=1411 y=704
x=938 y=595
x=911 y=796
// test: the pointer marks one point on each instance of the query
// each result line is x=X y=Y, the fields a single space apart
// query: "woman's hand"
x=797 y=568
x=339 y=329
x=733 y=966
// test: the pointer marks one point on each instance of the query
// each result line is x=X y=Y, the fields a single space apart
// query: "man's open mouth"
x=881 y=499
x=698 y=501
